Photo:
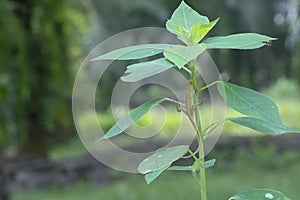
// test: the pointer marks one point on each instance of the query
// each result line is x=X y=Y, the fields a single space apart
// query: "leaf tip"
x=217 y=19
x=148 y=181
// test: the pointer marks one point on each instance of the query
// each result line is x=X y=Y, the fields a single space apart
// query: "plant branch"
x=192 y=122
x=174 y=101
x=209 y=85
x=187 y=70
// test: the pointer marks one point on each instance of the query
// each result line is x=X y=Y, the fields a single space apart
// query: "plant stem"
x=201 y=159
x=202 y=172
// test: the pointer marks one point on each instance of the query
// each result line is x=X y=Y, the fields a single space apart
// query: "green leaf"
x=182 y=33
x=262 y=112
x=134 y=52
x=143 y=70
x=185 y=17
x=162 y=159
x=262 y=125
x=151 y=176
x=249 y=102
x=207 y=164
x=199 y=31
x=131 y=117
x=238 y=41
x=183 y=20
x=260 y=194
x=181 y=55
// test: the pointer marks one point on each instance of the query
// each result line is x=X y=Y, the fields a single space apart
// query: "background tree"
x=43 y=41
x=36 y=75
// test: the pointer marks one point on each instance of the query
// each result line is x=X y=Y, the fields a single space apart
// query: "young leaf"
x=249 y=102
x=162 y=159
x=131 y=117
x=207 y=164
x=181 y=55
x=183 y=20
x=260 y=194
x=199 y=31
x=182 y=33
x=238 y=41
x=134 y=52
x=185 y=17
x=262 y=125
x=143 y=70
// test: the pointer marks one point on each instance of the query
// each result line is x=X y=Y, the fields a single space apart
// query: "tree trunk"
x=32 y=115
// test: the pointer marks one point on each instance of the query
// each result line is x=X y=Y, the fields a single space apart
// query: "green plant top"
x=260 y=112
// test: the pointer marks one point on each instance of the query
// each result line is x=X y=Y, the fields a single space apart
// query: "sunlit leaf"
x=180 y=55
x=186 y=17
x=182 y=33
x=131 y=117
x=199 y=31
x=238 y=41
x=182 y=20
x=143 y=70
x=260 y=194
x=133 y=52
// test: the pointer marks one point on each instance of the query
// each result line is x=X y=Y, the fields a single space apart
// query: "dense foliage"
x=38 y=48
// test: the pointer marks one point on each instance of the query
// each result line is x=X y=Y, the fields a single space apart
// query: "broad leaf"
x=162 y=159
x=151 y=176
x=185 y=17
x=143 y=70
x=238 y=41
x=260 y=194
x=249 y=102
x=182 y=20
x=207 y=164
x=262 y=125
x=262 y=113
x=199 y=31
x=180 y=55
x=182 y=33
x=131 y=117
x=134 y=52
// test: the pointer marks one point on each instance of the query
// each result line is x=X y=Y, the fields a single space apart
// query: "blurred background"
x=43 y=43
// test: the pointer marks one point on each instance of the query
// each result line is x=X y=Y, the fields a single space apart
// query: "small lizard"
x=189 y=99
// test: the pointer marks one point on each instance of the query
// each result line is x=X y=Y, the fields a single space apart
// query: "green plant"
x=260 y=112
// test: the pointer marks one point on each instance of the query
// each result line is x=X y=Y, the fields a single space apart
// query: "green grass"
x=73 y=147
x=289 y=109
x=168 y=122
x=179 y=186
x=235 y=171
